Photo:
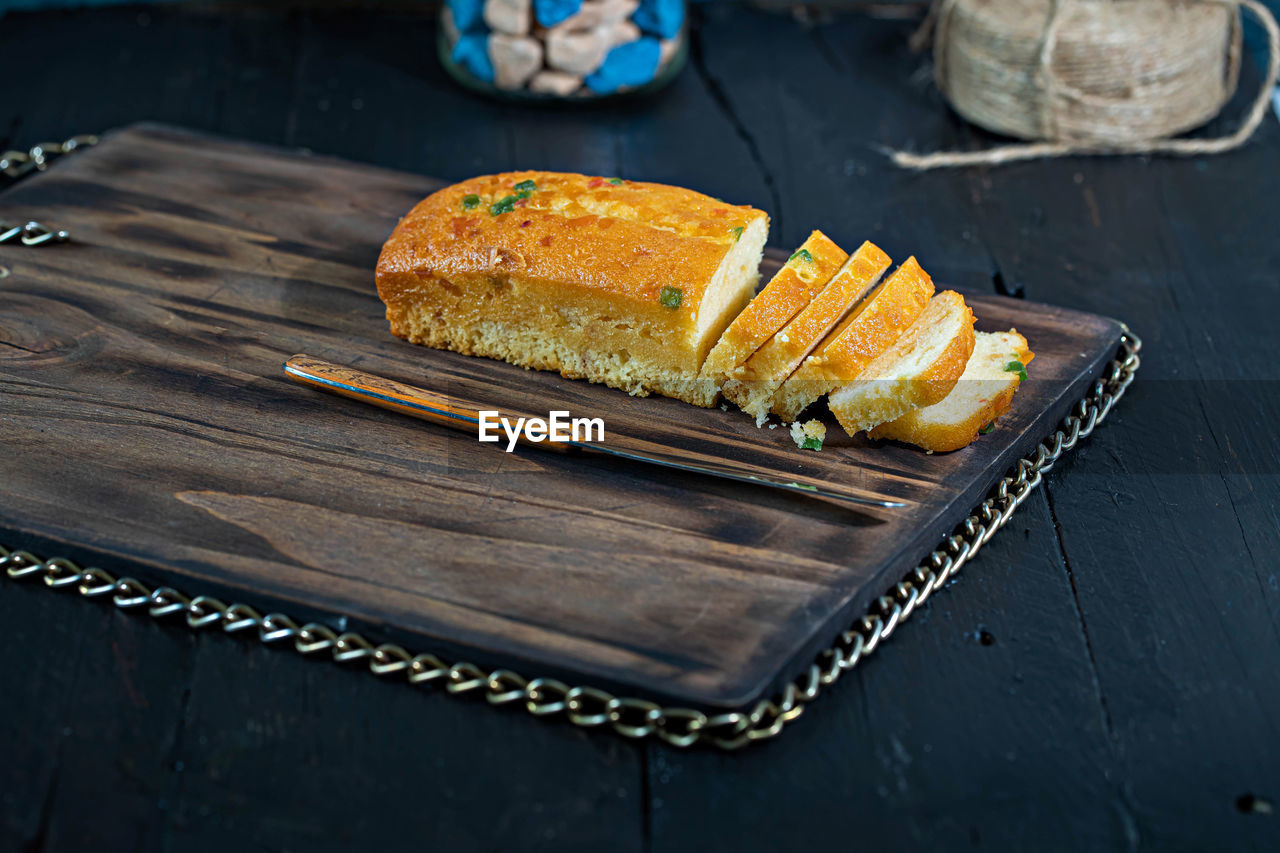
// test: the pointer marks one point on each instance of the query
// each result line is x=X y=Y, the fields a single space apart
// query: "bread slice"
x=754 y=387
x=619 y=282
x=868 y=331
x=786 y=294
x=985 y=392
x=919 y=369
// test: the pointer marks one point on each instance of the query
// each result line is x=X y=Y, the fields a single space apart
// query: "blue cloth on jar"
x=632 y=64
x=472 y=53
x=662 y=18
x=551 y=12
x=467 y=14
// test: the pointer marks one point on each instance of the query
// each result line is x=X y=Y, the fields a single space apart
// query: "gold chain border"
x=15 y=165
x=590 y=706
x=19 y=164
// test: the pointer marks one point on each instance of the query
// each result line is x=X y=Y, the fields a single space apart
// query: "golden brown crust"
x=885 y=391
x=576 y=271
x=851 y=346
x=754 y=387
x=785 y=296
x=943 y=437
x=937 y=382
x=583 y=232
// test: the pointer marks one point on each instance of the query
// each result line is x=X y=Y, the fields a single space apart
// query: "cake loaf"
x=620 y=282
x=984 y=393
x=778 y=358
x=919 y=369
x=786 y=295
x=869 y=330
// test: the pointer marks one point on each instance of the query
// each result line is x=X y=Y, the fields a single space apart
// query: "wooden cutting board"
x=147 y=428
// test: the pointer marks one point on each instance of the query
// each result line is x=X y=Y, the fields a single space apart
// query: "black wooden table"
x=1105 y=674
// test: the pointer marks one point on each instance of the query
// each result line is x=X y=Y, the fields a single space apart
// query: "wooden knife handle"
x=437 y=408
x=383 y=392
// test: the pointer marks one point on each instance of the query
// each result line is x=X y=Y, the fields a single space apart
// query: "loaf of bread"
x=983 y=393
x=764 y=372
x=920 y=368
x=869 y=330
x=787 y=293
x=620 y=282
x=648 y=288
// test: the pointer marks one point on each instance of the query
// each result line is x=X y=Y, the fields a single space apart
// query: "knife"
x=439 y=409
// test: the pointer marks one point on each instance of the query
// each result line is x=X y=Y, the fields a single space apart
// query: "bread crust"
x=777 y=359
x=850 y=347
x=872 y=400
x=942 y=436
x=785 y=296
x=614 y=239
x=581 y=262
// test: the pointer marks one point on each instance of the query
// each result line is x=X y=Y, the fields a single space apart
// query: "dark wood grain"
x=1095 y=714
x=183 y=763
x=1094 y=719
x=148 y=357
x=1188 y=494
x=980 y=727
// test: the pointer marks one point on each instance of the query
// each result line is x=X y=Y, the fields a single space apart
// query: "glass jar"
x=562 y=49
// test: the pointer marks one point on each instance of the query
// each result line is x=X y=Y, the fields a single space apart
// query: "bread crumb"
x=808 y=435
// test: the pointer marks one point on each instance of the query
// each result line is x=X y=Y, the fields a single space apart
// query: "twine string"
x=1045 y=77
x=1055 y=91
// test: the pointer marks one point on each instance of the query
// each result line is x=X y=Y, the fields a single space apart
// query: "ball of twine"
x=1092 y=76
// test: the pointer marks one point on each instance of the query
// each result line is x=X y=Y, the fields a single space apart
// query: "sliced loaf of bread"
x=868 y=331
x=620 y=282
x=985 y=392
x=785 y=296
x=777 y=359
x=919 y=369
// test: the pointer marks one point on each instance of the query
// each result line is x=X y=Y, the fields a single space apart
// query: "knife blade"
x=440 y=409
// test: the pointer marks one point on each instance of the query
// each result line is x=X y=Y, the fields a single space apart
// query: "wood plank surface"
x=1117 y=694
x=979 y=728
x=1092 y=720
x=143 y=361
x=1202 y=635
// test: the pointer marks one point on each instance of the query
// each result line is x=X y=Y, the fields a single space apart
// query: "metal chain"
x=590 y=706
x=31 y=234
x=18 y=164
